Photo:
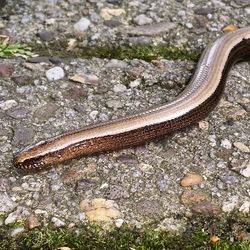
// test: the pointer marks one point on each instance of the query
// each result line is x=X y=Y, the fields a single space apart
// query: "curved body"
x=193 y=104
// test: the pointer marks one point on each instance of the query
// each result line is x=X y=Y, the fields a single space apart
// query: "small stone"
x=152 y=29
x=191 y=179
x=230 y=28
x=228 y=179
x=100 y=210
x=5 y=70
x=46 y=35
x=214 y=238
x=38 y=59
x=57 y=222
x=189 y=25
x=114 y=104
x=55 y=73
x=46 y=111
x=108 y=13
x=5 y=105
x=242 y=147
x=18 y=230
x=32 y=222
x=190 y=197
x=140 y=40
x=22 y=80
x=114 y=63
x=245 y=207
x=119 y=88
x=204 y=11
x=143 y=19
x=206 y=208
x=81 y=26
x=242 y=167
x=119 y=222
x=22 y=136
x=64 y=248
x=18 y=214
x=228 y=206
x=6 y=203
x=203 y=125
x=18 y=112
x=84 y=78
x=226 y=144
x=127 y=159
x=135 y=83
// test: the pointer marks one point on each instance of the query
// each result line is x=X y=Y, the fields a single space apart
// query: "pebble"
x=140 y=40
x=241 y=166
x=114 y=104
x=189 y=25
x=242 y=147
x=5 y=70
x=191 y=179
x=18 y=112
x=5 y=105
x=119 y=88
x=119 y=223
x=152 y=29
x=206 y=208
x=228 y=206
x=32 y=222
x=108 y=13
x=135 y=83
x=85 y=78
x=55 y=73
x=100 y=210
x=18 y=230
x=225 y=143
x=204 y=125
x=114 y=63
x=228 y=179
x=127 y=159
x=191 y=197
x=6 y=203
x=46 y=35
x=22 y=136
x=142 y=19
x=81 y=26
x=245 y=207
x=18 y=214
x=22 y=80
x=46 y=111
x=57 y=222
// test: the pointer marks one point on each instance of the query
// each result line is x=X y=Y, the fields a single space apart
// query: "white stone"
x=17 y=231
x=242 y=147
x=5 y=105
x=135 y=83
x=55 y=73
x=142 y=19
x=225 y=143
x=119 y=222
x=245 y=207
x=119 y=88
x=82 y=25
x=57 y=222
x=228 y=206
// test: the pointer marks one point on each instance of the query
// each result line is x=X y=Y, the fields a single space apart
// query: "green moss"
x=144 y=52
x=94 y=237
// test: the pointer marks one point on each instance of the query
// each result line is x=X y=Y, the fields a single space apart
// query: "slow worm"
x=193 y=104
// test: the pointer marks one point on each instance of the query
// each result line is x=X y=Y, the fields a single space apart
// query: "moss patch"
x=197 y=236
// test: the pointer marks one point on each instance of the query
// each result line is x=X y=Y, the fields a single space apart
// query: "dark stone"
x=18 y=112
x=5 y=70
x=22 y=136
x=228 y=179
x=203 y=11
x=127 y=159
x=206 y=208
x=112 y=23
x=114 y=1
x=45 y=112
x=22 y=80
x=39 y=59
x=75 y=93
x=46 y=35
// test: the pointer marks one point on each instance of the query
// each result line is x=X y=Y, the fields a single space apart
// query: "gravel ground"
x=203 y=169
